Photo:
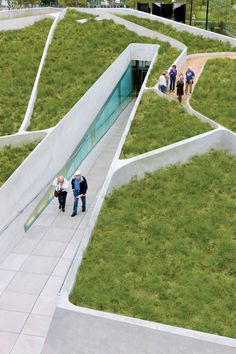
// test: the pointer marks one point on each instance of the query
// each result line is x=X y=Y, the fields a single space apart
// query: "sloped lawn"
x=164 y=248
x=215 y=92
x=11 y=158
x=159 y=122
x=77 y=57
x=20 y=55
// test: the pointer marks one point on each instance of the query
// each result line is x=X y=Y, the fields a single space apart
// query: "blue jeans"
x=162 y=88
x=172 y=83
x=76 y=200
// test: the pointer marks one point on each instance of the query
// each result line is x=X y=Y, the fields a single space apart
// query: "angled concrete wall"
x=81 y=331
x=177 y=25
x=7 y=14
x=24 y=189
x=26 y=121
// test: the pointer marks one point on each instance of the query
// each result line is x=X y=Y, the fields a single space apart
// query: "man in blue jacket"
x=189 y=80
x=79 y=186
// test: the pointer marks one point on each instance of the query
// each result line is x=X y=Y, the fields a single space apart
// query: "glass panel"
x=115 y=104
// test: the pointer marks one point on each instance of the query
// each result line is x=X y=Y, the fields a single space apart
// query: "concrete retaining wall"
x=19 y=139
x=177 y=25
x=33 y=177
x=7 y=14
x=33 y=96
x=80 y=331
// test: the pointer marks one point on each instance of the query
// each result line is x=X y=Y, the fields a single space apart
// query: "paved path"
x=197 y=64
x=32 y=275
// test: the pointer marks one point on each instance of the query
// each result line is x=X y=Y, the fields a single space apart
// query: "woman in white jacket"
x=61 y=185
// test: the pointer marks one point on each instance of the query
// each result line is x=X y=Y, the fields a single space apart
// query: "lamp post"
x=191 y=12
x=207 y=12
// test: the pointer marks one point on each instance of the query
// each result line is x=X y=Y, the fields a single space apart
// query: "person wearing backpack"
x=190 y=76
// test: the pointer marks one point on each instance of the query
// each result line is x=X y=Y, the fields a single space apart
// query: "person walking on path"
x=61 y=185
x=180 y=87
x=172 y=75
x=79 y=187
x=189 y=80
x=162 y=83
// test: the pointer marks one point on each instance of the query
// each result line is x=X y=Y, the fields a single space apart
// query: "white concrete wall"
x=7 y=14
x=19 y=139
x=26 y=121
x=20 y=23
x=177 y=25
x=32 y=178
x=81 y=331
x=175 y=153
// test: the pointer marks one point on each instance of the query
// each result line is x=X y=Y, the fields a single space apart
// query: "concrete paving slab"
x=28 y=283
x=45 y=305
x=5 y=277
x=39 y=265
x=12 y=321
x=58 y=234
x=45 y=219
x=25 y=246
x=13 y=261
x=71 y=250
x=66 y=221
x=36 y=232
x=12 y=301
x=78 y=235
x=62 y=267
x=49 y=248
x=28 y=345
x=7 y=341
x=37 y=325
x=52 y=286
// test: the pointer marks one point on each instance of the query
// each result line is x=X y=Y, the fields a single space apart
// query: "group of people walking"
x=170 y=80
x=79 y=186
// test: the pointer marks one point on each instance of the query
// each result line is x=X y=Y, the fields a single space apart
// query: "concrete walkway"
x=32 y=275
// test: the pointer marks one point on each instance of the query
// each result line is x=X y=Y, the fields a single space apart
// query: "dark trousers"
x=172 y=83
x=62 y=199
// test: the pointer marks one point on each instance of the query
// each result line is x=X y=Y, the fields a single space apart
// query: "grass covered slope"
x=160 y=122
x=195 y=44
x=164 y=248
x=77 y=57
x=11 y=158
x=20 y=55
x=217 y=85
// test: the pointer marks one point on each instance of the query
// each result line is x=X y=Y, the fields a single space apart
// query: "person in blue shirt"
x=79 y=187
x=189 y=75
x=172 y=75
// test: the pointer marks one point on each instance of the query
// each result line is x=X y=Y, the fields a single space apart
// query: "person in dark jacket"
x=79 y=186
x=180 y=87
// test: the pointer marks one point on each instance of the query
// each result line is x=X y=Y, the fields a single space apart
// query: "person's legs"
x=63 y=200
x=60 y=199
x=83 y=200
x=172 y=83
x=190 y=87
x=75 y=206
x=186 y=87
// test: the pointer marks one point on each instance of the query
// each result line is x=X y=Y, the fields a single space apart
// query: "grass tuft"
x=20 y=55
x=11 y=158
x=159 y=122
x=217 y=85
